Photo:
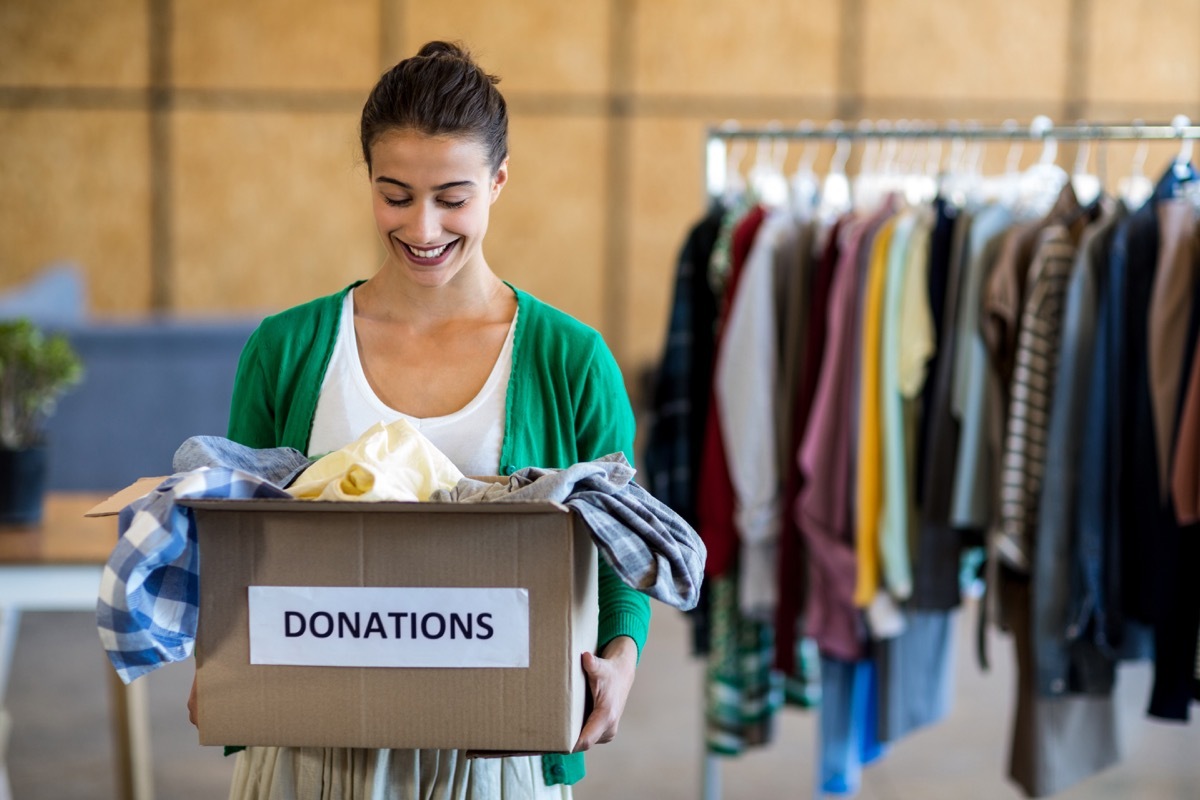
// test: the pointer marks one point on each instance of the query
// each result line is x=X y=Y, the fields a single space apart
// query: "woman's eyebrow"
x=439 y=188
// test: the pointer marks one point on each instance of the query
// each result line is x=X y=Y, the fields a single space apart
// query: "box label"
x=323 y=626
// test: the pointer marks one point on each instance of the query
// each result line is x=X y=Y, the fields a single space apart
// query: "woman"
x=495 y=378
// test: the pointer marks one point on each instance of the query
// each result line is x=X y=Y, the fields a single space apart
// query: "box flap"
x=116 y=502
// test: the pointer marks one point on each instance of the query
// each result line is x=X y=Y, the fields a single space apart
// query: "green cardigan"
x=566 y=403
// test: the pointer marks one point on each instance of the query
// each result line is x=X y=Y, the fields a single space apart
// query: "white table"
x=56 y=567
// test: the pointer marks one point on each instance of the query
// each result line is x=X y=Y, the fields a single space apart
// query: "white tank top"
x=347 y=406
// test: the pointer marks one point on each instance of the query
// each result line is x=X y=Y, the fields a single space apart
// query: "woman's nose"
x=424 y=228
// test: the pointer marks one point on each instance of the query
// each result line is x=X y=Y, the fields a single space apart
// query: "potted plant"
x=35 y=370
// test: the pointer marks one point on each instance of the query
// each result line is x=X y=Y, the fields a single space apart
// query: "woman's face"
x=431 y=196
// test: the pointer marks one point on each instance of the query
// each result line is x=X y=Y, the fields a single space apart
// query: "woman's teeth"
x=434 y=253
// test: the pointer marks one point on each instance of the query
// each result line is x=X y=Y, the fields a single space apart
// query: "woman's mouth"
x=429 y=256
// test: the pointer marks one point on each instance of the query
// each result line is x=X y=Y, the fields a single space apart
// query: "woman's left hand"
x=610 y=678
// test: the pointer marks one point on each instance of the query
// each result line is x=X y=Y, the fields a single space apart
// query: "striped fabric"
x=1038 y=339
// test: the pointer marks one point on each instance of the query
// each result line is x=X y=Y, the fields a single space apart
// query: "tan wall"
x=199 y=156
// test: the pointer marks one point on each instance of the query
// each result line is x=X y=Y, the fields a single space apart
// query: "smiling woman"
x=496 y=379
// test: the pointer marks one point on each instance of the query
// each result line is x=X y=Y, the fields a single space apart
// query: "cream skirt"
x=314 y=773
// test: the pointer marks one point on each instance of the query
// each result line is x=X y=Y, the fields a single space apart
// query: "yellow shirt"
x=868 y=493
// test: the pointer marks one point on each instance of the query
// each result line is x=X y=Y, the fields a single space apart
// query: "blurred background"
x=196 y=163
x=201 y=158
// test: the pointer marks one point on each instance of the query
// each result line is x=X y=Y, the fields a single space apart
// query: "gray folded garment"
x=649 y=546
x=276 y=465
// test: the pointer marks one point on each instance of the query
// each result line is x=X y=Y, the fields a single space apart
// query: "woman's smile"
x=431 y=256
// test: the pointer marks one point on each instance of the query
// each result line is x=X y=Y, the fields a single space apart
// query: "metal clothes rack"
x=716 y=164
x=1042 y=129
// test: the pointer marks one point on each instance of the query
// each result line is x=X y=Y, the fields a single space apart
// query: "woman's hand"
x=610 y=678
x=192 y=705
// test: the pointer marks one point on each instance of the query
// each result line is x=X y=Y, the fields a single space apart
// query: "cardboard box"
x=540 y=547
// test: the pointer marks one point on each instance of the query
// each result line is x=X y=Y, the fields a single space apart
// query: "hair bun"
x=438 y=48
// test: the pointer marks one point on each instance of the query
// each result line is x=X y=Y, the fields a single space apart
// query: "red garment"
x=715 y=499
x=792 y=570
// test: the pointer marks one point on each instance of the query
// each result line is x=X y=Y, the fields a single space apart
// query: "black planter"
x=22 y=485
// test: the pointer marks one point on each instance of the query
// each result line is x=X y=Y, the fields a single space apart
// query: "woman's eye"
x=454 y=203
x=393 y=202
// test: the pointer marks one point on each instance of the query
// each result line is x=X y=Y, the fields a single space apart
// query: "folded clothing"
x=649 y=546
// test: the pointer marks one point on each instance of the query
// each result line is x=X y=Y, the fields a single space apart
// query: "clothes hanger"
x=1182 y=167
x=767 y=180
x=1007 y=188
x=805 y=188
x=835 y=188
x=1135 y=188
x=735 y=184
x=864 y=187
x=1041 y=183
x=1086 y=184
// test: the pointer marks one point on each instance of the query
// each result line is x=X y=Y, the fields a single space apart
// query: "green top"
x=566 y=403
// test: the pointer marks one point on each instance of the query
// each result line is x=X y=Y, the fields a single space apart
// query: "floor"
x=60 y=748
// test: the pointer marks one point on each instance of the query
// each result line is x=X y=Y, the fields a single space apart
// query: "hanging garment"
x=971 y=400
x=742 y=692
x=745 y=388
x=1157 y=580
x=916 y=674
x=823 y=506
x=1185 y=471
x=715 y=503
x=906 y=345
x=939 y=545
x=1058 y=644
x=1056 y=741
x=649 y=546
x=793 y=570
x=1175 y=279
x=671 y=462
x=868 y=480
x=1035 y=364
x=849 y=724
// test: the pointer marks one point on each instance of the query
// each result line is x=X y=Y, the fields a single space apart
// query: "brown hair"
x=439 y=91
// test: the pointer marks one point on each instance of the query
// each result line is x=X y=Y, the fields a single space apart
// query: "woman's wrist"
x=621 y=648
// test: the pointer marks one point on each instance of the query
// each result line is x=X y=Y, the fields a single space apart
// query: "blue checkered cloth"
x=149 y=595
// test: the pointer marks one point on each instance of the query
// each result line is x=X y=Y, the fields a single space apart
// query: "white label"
x=322 y=626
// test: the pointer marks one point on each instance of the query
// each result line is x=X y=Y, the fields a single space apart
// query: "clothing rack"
x=717 y=163
x=1041 y=129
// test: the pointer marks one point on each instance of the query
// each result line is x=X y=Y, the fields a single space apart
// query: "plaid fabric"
x=649 y=546
x=670 y=465
x=149 y=595
x=743 y=692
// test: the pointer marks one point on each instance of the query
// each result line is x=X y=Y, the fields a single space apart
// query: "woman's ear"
x=499 y=179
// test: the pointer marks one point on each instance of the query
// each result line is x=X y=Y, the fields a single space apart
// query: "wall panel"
x=995 y=50
x=536 y=46
x=546 y=233
x=75 y=186
x=724 y=47
x=275 y=44
x=269 y=210
x=73 y=43
x=1146 y=51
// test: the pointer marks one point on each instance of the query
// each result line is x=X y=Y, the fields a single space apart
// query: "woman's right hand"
x=191 y=704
